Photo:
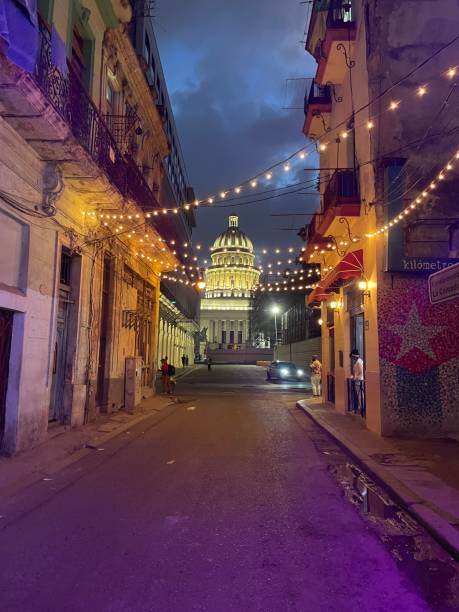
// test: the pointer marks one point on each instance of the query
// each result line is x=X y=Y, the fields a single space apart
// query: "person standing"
x=165 y=375
x=358 y=390
x=316 y=376
x=187 y=361
x=183 y=361
x=356 y=365
x=209 y=364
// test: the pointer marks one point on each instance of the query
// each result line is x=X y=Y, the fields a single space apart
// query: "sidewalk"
x=63 y=447
x=422 y=475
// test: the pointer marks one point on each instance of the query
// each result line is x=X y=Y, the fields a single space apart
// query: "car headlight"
x=300 y=372
x=284 y=372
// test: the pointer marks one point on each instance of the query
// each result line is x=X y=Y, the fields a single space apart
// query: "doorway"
x=358 y=333
x=105 y=323
x=65 y=337
x=6 y=327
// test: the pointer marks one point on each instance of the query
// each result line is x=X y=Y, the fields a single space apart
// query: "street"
x=223 y=501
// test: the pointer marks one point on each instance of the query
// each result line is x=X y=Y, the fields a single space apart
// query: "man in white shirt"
x=356 y=365
x=358 y=400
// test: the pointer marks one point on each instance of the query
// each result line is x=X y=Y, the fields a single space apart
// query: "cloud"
x=226 y=64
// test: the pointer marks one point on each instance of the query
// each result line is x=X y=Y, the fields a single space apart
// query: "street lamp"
x=275 y=310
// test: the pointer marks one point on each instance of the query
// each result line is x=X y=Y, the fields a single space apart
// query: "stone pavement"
x=422 y=475
x=64 y=446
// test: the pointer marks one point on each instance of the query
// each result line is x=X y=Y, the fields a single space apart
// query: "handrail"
x=71 y=100
x=343 y=185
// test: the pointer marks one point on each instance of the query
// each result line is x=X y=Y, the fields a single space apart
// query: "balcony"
x=341 y=199
x=330 y=40
x=89 y=127
x=61 y=122
x=341 y=196
x=317 y=109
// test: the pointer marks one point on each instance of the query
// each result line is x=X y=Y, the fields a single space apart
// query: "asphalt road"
x=220 y=502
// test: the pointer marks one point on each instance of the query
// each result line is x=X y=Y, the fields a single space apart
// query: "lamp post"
x=275 y=310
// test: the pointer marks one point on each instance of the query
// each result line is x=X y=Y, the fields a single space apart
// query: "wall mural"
x=419 y=359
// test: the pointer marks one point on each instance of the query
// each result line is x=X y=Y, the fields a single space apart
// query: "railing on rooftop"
x=69 y=97
x=343 y=188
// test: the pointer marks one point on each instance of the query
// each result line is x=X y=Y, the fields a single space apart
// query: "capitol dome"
x=233 y=238
x=231 y=280
x=233 y=272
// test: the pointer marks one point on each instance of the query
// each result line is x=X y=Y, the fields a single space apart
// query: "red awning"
x=349 y=267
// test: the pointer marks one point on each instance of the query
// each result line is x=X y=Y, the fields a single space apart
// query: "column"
x=160 y=339
x=169 y=342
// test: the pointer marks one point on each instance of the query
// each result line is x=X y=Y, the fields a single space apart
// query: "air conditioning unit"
x=132 y=383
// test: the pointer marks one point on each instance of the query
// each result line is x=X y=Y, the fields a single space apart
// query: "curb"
x=418 y=508
x=85 y=447
x=189 y=370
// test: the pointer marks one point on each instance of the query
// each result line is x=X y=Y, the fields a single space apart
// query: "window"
x=78 y=56
x=147 y=49
x=15 y=242
x=66 y=261
x=44 y=8
x=110 y=97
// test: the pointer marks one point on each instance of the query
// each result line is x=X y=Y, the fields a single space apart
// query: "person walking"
x=316 y=376
x=209 y=364
x=187 y=361
x=183 y=361
x=165 y=375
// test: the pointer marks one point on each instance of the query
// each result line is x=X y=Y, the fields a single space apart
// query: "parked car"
x=284 y=370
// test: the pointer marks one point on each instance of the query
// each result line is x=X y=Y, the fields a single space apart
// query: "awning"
x=350 y=266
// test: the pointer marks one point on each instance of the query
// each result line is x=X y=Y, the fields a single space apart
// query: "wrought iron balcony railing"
x=340 y=14
x=317 y=94
x=342 y=189
x=69 y=97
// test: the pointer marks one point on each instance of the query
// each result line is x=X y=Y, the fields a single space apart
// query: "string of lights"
x=267 y=175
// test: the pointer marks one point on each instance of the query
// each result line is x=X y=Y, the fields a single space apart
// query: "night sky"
x=226 y=64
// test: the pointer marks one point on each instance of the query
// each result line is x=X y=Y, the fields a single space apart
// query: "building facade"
x=380 y=112
x=179 y=300
x=81 y=167
x=230 y=283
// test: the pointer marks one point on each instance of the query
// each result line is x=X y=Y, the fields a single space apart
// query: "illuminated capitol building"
x=230 y=283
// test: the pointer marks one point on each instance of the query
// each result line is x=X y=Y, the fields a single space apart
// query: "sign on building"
x=444 y=285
